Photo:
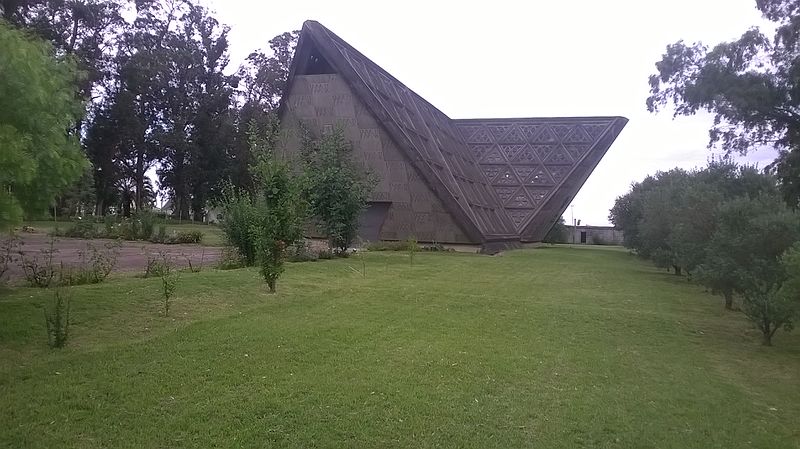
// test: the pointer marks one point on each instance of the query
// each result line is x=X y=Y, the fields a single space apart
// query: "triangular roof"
x=500 y=179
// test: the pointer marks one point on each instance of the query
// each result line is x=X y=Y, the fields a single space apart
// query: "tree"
x=743 y=255
x=39 y=157
x=263 y=222
x=337 y=188
x=279 y=200
x=670 y=217
x=262 y=80
x=750 y=85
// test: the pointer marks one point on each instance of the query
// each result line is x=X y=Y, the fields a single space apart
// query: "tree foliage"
x=263 y=222
x=159 y=96
x=337 y=187
x=39 y=157
x=750 y=85
x=727 y=226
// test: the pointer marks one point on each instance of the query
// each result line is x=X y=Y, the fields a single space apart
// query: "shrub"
x=176 y=237
x=301 y=252
x=240 y=217
x=95 y=266
x=157 y=264
x=230 y=259
x=337 y=187
x=262 y=223
x=56 y=320
x=39 y=270
x=413 y=247
x=187 y=237
x=80 y=229
x=325 y=254
x=147 y=223
x=168 y=282
x=8 y=246
x=192 y=267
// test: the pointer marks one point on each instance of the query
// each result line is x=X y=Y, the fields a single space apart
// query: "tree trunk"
x=677 y=270
x=728 y=300
x=137 y=199
x=767 y=340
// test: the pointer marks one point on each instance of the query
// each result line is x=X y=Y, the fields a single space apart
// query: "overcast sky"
x=527 y=59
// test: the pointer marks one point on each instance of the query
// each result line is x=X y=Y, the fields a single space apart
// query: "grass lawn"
x=212 y=235
x=550 y=348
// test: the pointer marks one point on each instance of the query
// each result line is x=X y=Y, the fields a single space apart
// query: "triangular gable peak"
x=424 y=133
x=500 y=179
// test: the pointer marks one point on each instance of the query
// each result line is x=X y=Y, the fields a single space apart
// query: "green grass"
x=212 y=234
x=551 y=348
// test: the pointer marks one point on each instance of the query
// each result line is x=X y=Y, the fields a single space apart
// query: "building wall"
x=324 y=102
x=595 y=235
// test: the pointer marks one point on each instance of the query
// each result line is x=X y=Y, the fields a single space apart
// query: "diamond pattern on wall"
x=520 y=216
x=576 y=150
x=481 y=135
x=526 y=155
x=514 y=135
x=530 y=131
x=519 y=199
x=577 y=135
x=511 y=151
x=537 y=194
x=506 y=178
x=594 y=129
x=539 y=177
x=479 y=150
x=546 y=136
x=493 y=156
x=537 y=155
x=558 y=172
x=504 y=193
x=558 y=156
x=498 y=131
x=491 y=171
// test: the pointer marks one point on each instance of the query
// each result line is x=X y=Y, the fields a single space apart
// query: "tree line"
x=725 y=226
x=152 y=89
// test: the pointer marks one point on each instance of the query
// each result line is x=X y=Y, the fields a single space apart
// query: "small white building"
x=594 y=235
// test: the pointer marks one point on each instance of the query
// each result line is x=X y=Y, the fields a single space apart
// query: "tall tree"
x=262 y=80
x=196 y=121
x=39 y=157
x=751 y=85
x=337 y=187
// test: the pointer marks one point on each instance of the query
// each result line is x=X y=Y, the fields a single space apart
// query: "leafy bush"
x=301 y=252
x=263 y=223
x=157 y=264
x=169 y=279
x=8 y=246
x=413 y=247
x=39 y=270
x=230 y=259
x=325 y=254
x=95 y=266
x=240 y=217
x=56 y=320
x=337 y=188
x=80 y=229
x=147 y=223
x=187 y=237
